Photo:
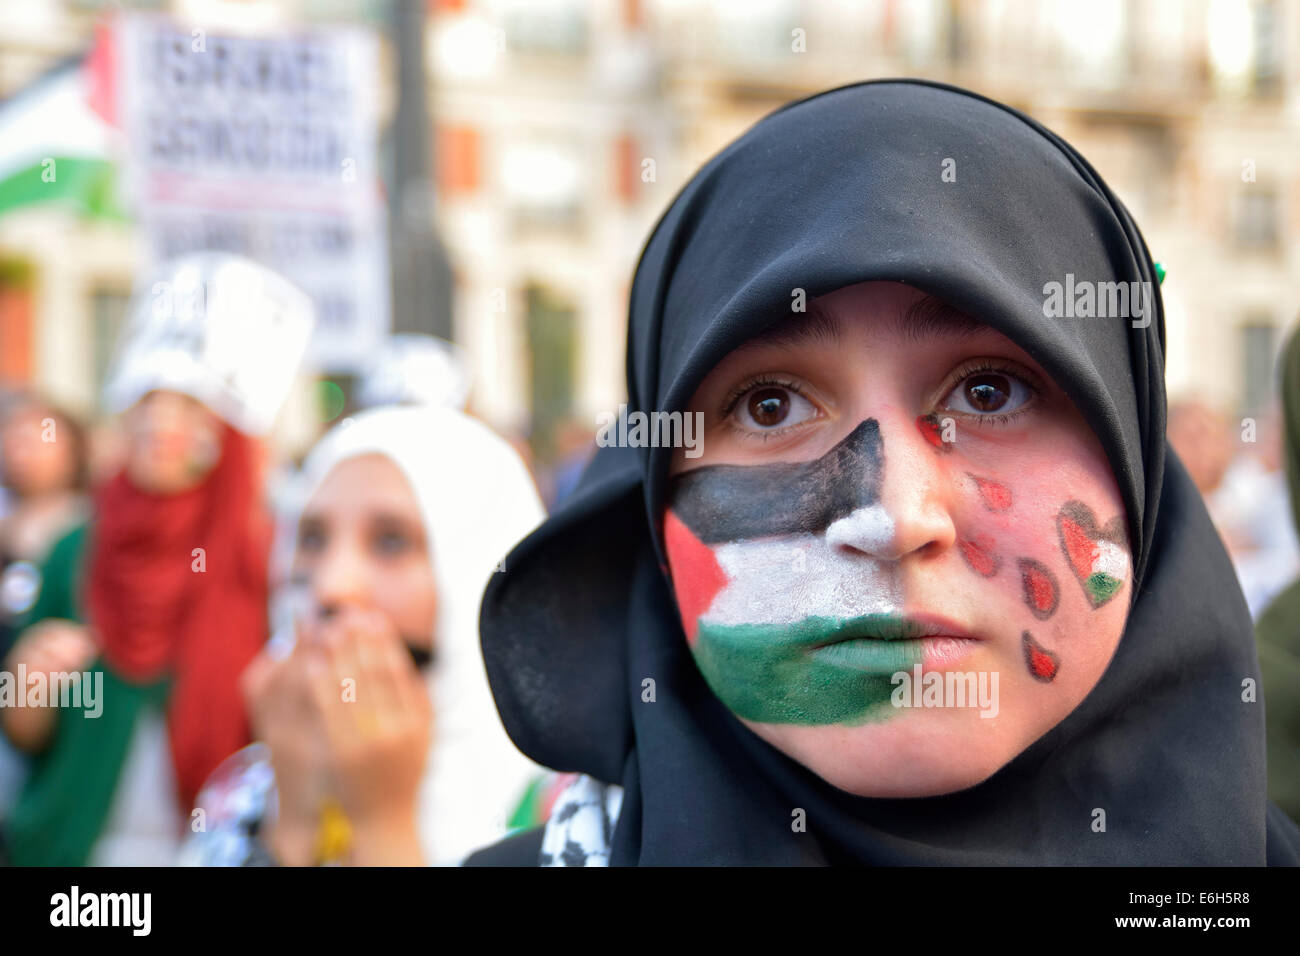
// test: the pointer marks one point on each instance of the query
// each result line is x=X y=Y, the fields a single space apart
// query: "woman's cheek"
x=1051 y=554
x=408 y=597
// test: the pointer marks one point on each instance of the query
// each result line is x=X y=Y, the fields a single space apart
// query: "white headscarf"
x=477 y=500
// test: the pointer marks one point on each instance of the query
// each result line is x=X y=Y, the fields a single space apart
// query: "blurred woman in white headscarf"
x=379 y=739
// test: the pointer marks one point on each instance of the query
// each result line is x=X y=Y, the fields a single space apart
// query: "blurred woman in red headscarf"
x=153 y=608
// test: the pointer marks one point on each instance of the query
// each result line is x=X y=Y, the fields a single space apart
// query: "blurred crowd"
x=275 y=661
x=1240 y=469
x=1248 y=472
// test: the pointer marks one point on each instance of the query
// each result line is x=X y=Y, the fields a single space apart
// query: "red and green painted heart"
x=1097 y=556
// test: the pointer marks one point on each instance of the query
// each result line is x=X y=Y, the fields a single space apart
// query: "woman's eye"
x=771 y=406
x=390 y=544
x=988 y=393
x=310 y=539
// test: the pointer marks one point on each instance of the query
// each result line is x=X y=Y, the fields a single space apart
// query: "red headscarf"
x=156 y=614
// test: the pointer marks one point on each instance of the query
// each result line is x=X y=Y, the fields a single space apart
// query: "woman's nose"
x=911 y=511
x=338 y=579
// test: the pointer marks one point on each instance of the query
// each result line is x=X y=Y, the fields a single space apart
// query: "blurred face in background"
x=172 y=442
x=362 y=542
x=1270 y=445
x=1203 y=439
x=41 y=451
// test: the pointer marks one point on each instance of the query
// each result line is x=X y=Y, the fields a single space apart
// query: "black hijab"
x=840 y=188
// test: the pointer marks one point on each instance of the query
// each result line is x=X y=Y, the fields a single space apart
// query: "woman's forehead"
x=891 y=309
x=363 y=482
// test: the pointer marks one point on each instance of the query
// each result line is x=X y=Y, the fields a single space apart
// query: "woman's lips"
x=949 y=642
x=942 y=650
x=937 y=624
x=887 y=644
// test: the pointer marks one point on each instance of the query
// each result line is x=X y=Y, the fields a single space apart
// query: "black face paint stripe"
x=733 y=502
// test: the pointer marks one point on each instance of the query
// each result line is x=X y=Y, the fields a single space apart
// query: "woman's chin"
x=889 y=761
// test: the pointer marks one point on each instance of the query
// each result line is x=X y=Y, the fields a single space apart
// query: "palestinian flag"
x=56 y=142
x=785 y=626
x=1095 y=555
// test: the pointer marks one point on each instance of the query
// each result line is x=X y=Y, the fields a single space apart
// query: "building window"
x=754 y=33
x=1256 y=225
x=627 y=168
x=1266 y=75
x=543 y=182
x=108 y=313
x=1258 y=337
x=958 y=33
x=556 y=29
x=553 y=350
x=458 y=159
x=16 y=285
x=1094 y=40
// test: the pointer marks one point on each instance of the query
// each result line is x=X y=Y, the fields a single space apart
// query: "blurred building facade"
x=563 y=128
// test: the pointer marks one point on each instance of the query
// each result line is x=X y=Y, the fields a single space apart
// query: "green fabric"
x=1277 y=632
x=1291 y=424
x=58 y=596
x=62 y=808
x=529 y=811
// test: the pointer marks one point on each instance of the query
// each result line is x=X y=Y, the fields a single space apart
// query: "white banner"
x=264 y=146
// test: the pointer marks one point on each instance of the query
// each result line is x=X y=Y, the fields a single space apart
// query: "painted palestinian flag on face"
x=767 y=602
x=1097 y=556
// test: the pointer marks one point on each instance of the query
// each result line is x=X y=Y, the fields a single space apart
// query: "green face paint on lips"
x=815 y=671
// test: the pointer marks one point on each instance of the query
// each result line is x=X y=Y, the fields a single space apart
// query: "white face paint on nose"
x=870 y=530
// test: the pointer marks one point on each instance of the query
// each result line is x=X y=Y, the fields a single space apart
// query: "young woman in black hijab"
x=927 y=344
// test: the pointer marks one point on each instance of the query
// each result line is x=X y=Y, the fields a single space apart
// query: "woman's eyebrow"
x=929 y=317
x=817 y=326
x=384 y=520
x=924 y=318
